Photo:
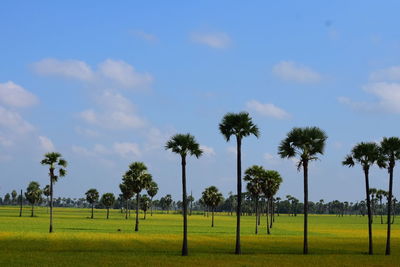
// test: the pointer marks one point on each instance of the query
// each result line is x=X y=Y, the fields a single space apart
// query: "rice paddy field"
x=80 y=241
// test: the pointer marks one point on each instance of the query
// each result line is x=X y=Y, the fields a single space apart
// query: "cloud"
x=117 y=113
x=388 y=74
x=14 y=95
x=116 y=72
x=272 y=159
x=46 y=144
x=73 y=69
x=294 y=72
x=145 y=36
x=12 y=121
x=268 y=110
x=87 y=132
x=215 y=40
x=127 y=150
x=387 y=94
x=207 y=151
x=124 y=74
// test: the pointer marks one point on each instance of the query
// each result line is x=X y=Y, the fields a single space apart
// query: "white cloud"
x=294 y=72
x=73 y=69
x=124 y=74
x=387 y=94
x=388 y=74
x=14 y=95
x=127 y=150
x=207 y=151
x=145 y=36
x=14 y=122
x=117 y=113
x=214 y=40
x=46 y=144
x=268 y=110
x=87 y=132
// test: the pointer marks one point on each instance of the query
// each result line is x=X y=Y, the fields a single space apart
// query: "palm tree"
x=253 y=177
x=184 y=144
x=33 y=194
x=107 y=200
x=240 y=125
x=372 y=192
x=190 y=199
x=46 y=192
x=379 y=195
x=366 y=154
x=271 y=180
x=212 y=198
x=145 y=203
x=54 y=160
x=390 y=150
x=306 y=143
x=152 y=190
x=92 y=196
x=127 y=195
x=137 y=178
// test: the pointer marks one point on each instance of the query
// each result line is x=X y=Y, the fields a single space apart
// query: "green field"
x=78 y=240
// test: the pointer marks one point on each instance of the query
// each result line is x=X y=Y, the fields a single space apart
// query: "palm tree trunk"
x=184 y=245
x=267 y=215
x=20 y=207
x=381 y=211
x=32 y=210
x=126 y=210
x=271 y=213
x=137 y=212
x=305 y=169
x=387 y=252
x=370 y=248
x=394 y=210
x=239 y=194
x=92 y=211
x=151 y=207
x=107 y=213
x=256 y=216
x=51 y=199
x=212 y=215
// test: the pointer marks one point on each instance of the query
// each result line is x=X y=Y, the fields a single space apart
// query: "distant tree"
x=152 y=190
x=239 y=125
x=165 y=202
x=46 y=192
x=212 y=198
x=54 y=160
x=190 y=199
x=14 y=195
x=253 y=177
x=366 y=154
x=33 y=194
x=270 y=182
x=127 y=194
x=107 y=200
x=7 y=199
x=145 y=203
x=380 y=194
x=184 y=145
x=137 y=178
x=92 y=196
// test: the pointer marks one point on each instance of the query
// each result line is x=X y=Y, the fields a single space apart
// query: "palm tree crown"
x=365 y=154
x=305 y=142
x=239 y=125
x=184 y=144
x=54 y=159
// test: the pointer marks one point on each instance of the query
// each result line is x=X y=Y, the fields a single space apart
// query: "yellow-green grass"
x=80 y=241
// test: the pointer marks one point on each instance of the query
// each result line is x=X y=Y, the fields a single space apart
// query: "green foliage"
x=92 y=196
x=54 y=160
x=366 y=154
x=137 y=177
x=33 y=193
x=212 y=197
x=239 y=125
x=184 y=144
x=152 y=189
x=107 y=199
x=145 y=203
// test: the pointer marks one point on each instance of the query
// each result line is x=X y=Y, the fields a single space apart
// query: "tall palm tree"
x=137 y=178
x=127 y=195
x=152 y=190
x=366 y=154
x=253 y=177
x=212 y=198
x=306 y=143
x=55 y=162
x=107 y=200
x=390 y=150
x=239 y=125
x=184 y=144
x=33 y=194
x=92 y=196
x=271 y=181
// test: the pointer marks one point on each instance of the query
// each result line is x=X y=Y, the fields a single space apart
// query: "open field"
x=78 y=241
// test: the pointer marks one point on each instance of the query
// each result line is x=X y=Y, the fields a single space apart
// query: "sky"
x=107 y=83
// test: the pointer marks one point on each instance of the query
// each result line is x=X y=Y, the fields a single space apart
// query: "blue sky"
x=108 y=83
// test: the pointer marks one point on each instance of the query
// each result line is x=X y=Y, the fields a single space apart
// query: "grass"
x=80 y=241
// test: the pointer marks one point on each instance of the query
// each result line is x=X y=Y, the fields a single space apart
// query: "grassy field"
x=78 y=240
